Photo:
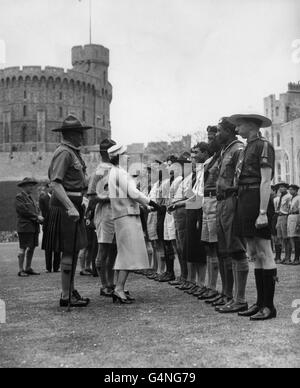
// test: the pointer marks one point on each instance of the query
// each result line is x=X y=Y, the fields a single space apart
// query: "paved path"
x=165 y=328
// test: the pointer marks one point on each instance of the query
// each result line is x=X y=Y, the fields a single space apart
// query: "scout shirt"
x=295 y=205
x=27 y=214
x=258 y=153
x=283 y=204
x=227 y=166
x=68 y=168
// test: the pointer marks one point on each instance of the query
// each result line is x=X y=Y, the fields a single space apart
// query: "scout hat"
x=116 y=150
x=27 y=181
x=184 y=158
x=107 y=144
x=71 y=123
x=284 y=184
x=295 y=187
x=265 y=122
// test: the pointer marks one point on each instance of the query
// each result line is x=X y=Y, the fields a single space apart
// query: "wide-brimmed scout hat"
x=284 y=184
x=27 y=181
x=265 y=121
x=107 y=144
x=184 y=158
x=116 y=150
x=295 y=187
x=71 y=123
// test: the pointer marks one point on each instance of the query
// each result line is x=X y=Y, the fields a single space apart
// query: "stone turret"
x=34 y=100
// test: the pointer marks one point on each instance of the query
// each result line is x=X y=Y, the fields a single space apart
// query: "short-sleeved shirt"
x=211 y=173
x=68 y=168
x=259 y=153
x=227 y=166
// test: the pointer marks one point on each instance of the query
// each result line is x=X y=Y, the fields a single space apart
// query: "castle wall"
x=34 y=100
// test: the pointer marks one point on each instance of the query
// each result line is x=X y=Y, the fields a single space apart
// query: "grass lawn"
x=164 y=328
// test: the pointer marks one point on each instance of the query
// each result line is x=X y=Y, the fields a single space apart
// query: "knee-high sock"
x=214 y=272
x=297 y=248
x=29 y=257
x=269 y=279
x=229 y=280
x=242 y=271
x=259 y=281
x=288 y=250
x=21 y=258
x=222 y=274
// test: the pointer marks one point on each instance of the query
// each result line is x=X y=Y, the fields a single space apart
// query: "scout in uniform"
x=104 y=223
x=294 y=222
x=28 y=225
x=52 y=263
x=233 y=262
x=255 y=171
x=282 y=209
x=67 y=232
x=209 y=227
x=275 y=196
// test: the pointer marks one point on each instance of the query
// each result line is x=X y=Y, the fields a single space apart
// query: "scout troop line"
x=213 y=209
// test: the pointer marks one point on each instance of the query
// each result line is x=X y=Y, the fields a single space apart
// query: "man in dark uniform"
x=67 y=233
x=255 y=171
x=233 y=262
x=44 y=204
x=28 y=225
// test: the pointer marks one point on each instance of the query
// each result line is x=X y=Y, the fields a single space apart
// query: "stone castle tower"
x=34 y=100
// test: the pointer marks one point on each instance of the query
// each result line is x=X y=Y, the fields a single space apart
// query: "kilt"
x=105 y=227
x=28 y=240
x=194 y=248
x=229 y=244
x=282 y=227
x=131 y=245
x=61 y=228
x=293 y=221
x=248 y=207
x=209 y=224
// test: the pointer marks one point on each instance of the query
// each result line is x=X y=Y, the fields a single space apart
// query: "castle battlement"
x=294 y=87
x=35 y=99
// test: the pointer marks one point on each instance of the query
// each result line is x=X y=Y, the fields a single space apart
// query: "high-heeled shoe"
x=118 y=299
x=129 y=297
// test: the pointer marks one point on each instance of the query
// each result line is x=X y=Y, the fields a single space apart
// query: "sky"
x=177 y=66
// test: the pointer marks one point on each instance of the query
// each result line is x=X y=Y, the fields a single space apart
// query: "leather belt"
x=282 y=215
x=227 y=194
x=294 y=213
x=210 y=193
x=250 y=186
x=73 y=194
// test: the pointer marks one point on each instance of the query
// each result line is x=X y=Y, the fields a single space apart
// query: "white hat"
x=265 y=121
x=116 y=150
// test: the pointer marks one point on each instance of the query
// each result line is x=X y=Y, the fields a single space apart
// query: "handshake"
x=153 y=206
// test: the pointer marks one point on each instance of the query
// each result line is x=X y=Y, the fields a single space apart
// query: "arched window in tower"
x=279 y=177
x=287 y=110
x=83 y=116
x=23 y=134
x=287 y=169
x=278 y=140
x=24 y=111
x=105 y=76
x=61 y=112
x=277 y=111
x=60 y=96
x=25 y=94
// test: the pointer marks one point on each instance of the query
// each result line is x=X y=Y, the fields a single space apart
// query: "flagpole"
x=90 y=21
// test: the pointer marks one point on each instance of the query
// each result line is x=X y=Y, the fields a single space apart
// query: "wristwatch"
x=262 y=212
